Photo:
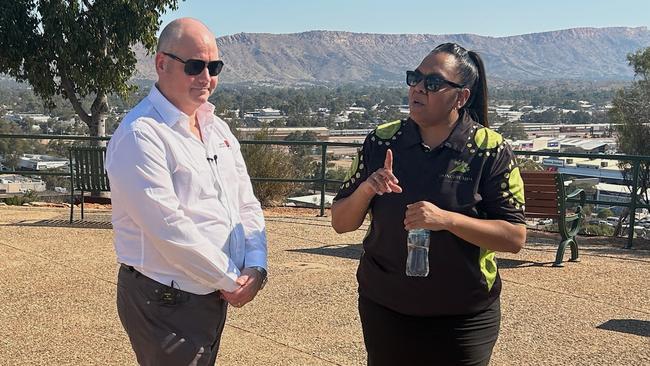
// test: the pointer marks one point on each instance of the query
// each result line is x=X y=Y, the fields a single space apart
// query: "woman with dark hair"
x=444 y=173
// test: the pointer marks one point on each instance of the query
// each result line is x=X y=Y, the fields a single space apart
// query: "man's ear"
x=160 y=62
x=463 y=97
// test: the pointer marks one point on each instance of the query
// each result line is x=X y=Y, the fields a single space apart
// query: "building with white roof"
x=40 y=162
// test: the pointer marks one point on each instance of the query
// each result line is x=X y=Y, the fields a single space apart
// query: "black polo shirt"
x=473 y=172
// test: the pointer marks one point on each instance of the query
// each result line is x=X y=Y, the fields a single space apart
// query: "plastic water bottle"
x=417 y=262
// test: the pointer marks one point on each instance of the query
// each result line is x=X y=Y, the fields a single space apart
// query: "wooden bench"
x=546 y=198
x=87 y=173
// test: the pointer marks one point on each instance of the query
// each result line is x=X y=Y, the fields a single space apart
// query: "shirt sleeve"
x=502 y=188
x=358 y=171
x=251 y=214
x=141 y=184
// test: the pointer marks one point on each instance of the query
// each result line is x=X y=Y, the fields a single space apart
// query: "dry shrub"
x=269 y=161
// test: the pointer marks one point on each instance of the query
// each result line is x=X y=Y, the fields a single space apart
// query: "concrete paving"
x=57 y=293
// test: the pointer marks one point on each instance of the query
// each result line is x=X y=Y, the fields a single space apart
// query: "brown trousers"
x=168 y=326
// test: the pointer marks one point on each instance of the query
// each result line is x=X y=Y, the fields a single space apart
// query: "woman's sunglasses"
x=195 y=67
x=432 y=83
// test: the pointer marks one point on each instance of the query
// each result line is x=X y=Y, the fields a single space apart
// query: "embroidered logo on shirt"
x=461 y=167
x=457 y=173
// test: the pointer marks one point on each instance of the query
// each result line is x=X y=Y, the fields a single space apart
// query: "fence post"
x=635 y=187
x=323 y=168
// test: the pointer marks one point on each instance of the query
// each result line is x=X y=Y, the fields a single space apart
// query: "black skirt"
x=392 y=338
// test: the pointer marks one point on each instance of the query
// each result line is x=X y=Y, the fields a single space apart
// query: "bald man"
x=188 y=232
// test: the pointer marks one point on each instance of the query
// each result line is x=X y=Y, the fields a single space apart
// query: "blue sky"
x=486 y=17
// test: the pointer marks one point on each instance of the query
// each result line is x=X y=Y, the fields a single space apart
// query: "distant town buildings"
x=263 y=116
x=354 y=122
x=279 y=133
x=11 y=183
x=564 y=144
x=40 y=162
x=36 y=117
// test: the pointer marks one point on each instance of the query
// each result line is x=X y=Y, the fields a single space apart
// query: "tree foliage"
x=528 y=164
x=554 y=93
x=631 y=111
x=269 y=161
x=597 y=230
x=604 y=213
x=513 y=131
x=29 y=196
x=80 y=50
x=11 y=149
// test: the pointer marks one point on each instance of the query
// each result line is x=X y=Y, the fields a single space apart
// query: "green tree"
x=335 y=173
x=497 y=119
x=301 y=150
x=640 y=62
x=579 y=117
x=513 y=131
x=78 y=49
x=269 y=161
x=29 y=196
x=11 y=149
x=390 y=114
x=336 y=105
x=304 y=164
x=551 y=115
x=528 y=164
x=631 y=112
x=52 y=181
x=357 y=120
x=604 y=213
x=598 y=230
x=298 y=120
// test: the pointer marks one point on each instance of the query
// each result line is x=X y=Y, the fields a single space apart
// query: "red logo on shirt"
x=226 y=142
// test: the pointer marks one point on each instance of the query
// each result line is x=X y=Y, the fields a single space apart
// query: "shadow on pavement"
x=85 y=224
x=516 y=263
x=349 y=251
x=630 y=326
x=354 y=251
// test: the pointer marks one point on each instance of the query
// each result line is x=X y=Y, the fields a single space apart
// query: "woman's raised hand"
x=382 y=180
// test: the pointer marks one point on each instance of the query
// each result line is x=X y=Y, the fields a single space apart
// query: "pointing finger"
x=388 y=163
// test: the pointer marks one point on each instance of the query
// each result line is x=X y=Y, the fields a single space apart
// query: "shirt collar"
x=411 y=135
x=170 y=115
x=462 y=131
x=456 y=140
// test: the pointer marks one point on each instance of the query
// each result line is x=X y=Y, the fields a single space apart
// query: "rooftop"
x=58 y=298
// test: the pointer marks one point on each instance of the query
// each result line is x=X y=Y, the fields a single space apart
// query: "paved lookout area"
x=57 y=298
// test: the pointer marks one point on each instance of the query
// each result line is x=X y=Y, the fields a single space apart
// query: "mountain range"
x=332 y=57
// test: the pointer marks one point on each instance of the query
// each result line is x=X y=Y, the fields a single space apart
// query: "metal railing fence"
x=635 y=161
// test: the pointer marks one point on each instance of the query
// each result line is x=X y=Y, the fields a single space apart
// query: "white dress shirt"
x=183 y=210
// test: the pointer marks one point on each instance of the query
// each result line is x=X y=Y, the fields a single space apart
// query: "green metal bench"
x=87 y=173
x=546 y=198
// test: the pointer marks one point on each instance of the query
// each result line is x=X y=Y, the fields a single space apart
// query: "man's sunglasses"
x=432 y=83
x=195 y=67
